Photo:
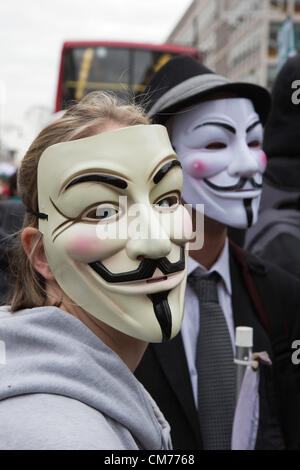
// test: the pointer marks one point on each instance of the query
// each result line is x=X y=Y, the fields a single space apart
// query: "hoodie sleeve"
x=54 y=422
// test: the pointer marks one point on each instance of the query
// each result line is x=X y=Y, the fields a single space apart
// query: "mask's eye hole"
x=216 y=146
x=168 y=202
x=101 y=212
x=254 y=144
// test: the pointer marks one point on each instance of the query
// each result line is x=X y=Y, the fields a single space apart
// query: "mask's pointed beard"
x=163 y=313
x=249 y=211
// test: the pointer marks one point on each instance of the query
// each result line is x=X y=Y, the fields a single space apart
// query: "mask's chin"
x=153 y=316
x=158 y=316
x=231 y=211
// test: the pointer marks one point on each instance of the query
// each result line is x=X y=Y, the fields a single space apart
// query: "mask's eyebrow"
x=99 y=178
x=220 y=124
x=164 y=170
x=256 y=123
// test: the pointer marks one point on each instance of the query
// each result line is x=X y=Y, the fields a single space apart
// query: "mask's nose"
x=244 y=162
x=151 y=241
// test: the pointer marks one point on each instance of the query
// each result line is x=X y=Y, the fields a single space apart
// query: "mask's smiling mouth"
x=153 y=279
x=158 y=279
x=244 y=188
x=239 y=186
x=148 y=286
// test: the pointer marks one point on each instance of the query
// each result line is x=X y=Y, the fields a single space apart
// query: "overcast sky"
x=32 y=33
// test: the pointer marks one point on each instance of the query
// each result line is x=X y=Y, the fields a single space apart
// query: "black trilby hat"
x=183 y=80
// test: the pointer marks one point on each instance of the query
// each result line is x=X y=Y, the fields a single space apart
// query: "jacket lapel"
x=168 y=355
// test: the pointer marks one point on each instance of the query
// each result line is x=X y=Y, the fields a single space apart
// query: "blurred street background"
x=54 y=52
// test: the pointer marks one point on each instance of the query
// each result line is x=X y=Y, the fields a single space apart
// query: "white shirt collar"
x=221 y=266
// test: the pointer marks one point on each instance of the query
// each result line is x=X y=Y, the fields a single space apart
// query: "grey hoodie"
x=62 y=388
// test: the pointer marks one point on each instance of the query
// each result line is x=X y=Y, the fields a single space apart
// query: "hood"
x=274 y=222
x=50 y=351
x=283 y=173
x=281 y=136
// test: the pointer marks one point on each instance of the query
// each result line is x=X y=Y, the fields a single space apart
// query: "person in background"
x=215 y=127
x=13 y=189
x=73 y=331
x=276 y=235
x=12 y=213
x=4 y=186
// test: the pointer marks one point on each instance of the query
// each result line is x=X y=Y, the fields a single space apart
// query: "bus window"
x=94 y=68
x=146 y=63
x=124 y=68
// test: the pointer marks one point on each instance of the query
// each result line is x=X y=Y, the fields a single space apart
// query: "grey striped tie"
x=215 y=366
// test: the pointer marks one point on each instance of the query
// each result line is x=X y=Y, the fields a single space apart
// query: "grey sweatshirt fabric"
x=62 y=388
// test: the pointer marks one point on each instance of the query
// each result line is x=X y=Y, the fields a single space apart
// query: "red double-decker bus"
x=111 y=66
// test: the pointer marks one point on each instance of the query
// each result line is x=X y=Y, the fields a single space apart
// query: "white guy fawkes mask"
x=219 y=146
x=134 y=284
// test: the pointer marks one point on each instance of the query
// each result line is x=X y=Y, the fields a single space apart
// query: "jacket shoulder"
x=279 y=293
x=271 y=273
x=266 y=272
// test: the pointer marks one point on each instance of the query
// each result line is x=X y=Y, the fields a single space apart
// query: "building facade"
x=237 y=38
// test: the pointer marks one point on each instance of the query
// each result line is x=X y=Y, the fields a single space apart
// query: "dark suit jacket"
x=267 y=299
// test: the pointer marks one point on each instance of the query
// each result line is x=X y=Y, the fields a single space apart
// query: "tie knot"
x=206 y=287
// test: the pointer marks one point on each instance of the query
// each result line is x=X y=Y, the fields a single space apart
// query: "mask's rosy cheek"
x=197 y=169
x=263 y=158
x=83 y=248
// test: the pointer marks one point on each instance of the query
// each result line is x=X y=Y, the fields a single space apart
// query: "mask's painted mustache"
x=234 y=187
x=144 y=271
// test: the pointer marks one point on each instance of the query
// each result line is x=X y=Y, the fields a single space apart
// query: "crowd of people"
x=125 y=338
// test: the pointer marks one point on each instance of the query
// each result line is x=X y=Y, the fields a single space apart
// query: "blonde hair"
x=92 y=115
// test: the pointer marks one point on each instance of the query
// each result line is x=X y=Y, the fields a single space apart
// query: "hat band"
x=187 y=89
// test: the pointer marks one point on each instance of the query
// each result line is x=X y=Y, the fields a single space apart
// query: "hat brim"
x=259 y=96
